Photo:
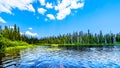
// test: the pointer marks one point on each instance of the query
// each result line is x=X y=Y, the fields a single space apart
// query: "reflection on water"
x=47 y=57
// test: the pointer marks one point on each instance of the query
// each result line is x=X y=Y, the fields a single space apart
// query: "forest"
x=10 y=37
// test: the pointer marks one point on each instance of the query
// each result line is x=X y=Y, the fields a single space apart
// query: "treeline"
x=13 y=34
x=11 y=37
x=82 y=38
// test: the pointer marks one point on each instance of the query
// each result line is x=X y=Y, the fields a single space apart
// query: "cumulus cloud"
x=42 y=11
x=2 y=20
x=63 y=13
x=51 y=16
x=7 y=5
x=66 y=6
x=49 y=5
x=31 y=34
x=76 y=5
x=62 y=8
x=42 y=2
x=30 y=28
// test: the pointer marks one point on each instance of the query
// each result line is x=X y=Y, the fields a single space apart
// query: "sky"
x=43 y=18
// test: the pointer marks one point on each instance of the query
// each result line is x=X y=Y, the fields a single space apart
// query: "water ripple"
x=45 y=58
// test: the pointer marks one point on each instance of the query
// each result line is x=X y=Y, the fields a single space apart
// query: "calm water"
x=49 y=57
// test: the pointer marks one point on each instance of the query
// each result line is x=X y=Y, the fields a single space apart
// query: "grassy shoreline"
x=24 y=46
x=57 y=45
x=87 y=45
x=15 y=50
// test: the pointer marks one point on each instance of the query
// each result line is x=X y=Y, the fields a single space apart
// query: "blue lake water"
x=48 y=57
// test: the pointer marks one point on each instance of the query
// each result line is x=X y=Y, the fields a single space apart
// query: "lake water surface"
x=53 y=57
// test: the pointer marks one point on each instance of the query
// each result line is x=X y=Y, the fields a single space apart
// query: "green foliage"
x=117 y=42
x=80 y=38
x=118 y=37
x=14 y=51
x=10 y=37
x=14 y=35
x=3 y=43
x=11 y=33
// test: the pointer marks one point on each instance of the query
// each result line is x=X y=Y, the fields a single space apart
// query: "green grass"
x=7 y=45
x=117 y=42
x=14 y=51
x=86 y=45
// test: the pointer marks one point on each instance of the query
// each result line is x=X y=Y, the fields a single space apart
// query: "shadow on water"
x=1 y=55
x=10 y=58
x=64 y=57
x=90 y=48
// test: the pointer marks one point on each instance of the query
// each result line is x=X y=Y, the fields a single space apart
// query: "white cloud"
x=63 y=7
x=2 y=20
x=21 y=33
x=75 y=5
x=51 y=16
x=7 y=5
x=30 y=28
x=66 y=6
x=49 y=5
x=4 y=9
x=42 y=2
x=11 y=27
x=42 y=11
x=63 y=13
x=31 y=34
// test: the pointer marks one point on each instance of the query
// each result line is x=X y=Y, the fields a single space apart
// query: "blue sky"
x=43 y=18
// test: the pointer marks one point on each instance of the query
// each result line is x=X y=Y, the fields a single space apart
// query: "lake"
x=54 y=57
